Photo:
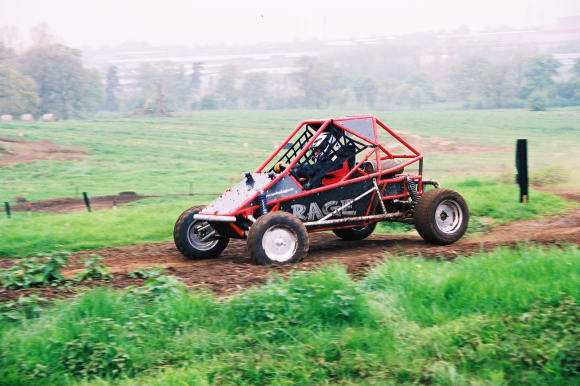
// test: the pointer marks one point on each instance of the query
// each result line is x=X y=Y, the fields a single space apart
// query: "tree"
x=317 y=80
x=576 y=68
x=5 y=52
x=41 y=35
x=466 y=79
x=166 y=79
x=416 y=91
x=226 y=89
x=365 y=90
x=538 y=74
x=111 y=103
x=481 y=84
x=17 y=92
x=254 y=89
x=195 y=81
x=65 y=87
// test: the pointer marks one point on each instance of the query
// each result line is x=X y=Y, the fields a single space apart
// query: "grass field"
x=505 y=317
x=163 y=156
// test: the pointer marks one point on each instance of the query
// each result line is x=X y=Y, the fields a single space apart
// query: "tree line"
x=51 y=78
x=48 y=78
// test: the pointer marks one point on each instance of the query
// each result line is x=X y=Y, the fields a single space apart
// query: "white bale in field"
x=6 y=117
x=48 y=117
x=26 y=117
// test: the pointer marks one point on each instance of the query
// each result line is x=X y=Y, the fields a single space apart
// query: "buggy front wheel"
x=278 y=238
x=196 y=239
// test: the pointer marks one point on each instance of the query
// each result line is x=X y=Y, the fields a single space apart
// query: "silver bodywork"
x=232 y=199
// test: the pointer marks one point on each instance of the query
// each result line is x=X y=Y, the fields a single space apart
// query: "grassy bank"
x=510 y=316
x=152 y=220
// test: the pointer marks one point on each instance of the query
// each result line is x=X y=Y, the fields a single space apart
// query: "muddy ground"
x=15 y=150
x=234 y=271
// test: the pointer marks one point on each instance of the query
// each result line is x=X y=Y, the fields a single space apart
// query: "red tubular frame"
x=244 y=210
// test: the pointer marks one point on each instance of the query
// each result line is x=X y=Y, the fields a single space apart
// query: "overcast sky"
x=110 y=22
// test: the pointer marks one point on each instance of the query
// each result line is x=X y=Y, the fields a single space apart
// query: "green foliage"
x=316 y=80
x=226 y=90
x=90 y=355
x=365 y=90
x=255 y=89
x=535 y=347
x=537 y=101
x=34 y=271
x=65 y=87
x=430 y=292
x=25 y=307
x=509 y=316
x=146 y=273
x=18 y=92
x=209 y=102
x=159 y=287
x=93 y=269
x=324 y=298
x=539 y=72
x=479 y=84
x=111 y=89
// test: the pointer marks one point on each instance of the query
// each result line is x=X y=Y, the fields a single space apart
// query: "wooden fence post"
x=522 y=168
x=87 y=203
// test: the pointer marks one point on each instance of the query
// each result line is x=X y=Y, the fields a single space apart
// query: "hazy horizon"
x=173 y=22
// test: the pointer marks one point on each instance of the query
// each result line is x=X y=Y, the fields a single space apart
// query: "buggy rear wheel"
x=353 y=234
x=196 y=239
x=441 y=216
x=278 y=238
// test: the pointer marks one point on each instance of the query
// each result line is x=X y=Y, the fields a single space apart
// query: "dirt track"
x=234 y=271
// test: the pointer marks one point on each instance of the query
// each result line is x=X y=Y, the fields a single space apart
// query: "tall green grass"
x=509 y=316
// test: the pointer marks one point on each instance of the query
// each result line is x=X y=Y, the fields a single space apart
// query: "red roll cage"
x=377 y=150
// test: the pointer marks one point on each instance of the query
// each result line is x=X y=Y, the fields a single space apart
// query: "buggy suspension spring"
x=263 y=203
x=412 y=188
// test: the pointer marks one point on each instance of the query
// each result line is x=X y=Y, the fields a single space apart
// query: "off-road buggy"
x=329 y=175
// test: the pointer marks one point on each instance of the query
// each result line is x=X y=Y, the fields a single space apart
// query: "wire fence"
x=85 y=202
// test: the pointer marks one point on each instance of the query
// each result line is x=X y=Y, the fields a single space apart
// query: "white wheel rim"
x=448 y=216
x=196 y=233
x=279 y=243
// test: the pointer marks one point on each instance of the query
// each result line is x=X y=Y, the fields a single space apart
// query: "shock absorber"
x=263 y=203
x=412 y=188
